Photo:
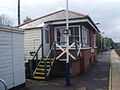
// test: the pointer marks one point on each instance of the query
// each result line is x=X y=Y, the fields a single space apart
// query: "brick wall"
x=86 y=55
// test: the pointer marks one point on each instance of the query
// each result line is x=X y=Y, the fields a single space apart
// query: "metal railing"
x=53 y=48
x=35 y=59
x=48 y=56
x=3 y=84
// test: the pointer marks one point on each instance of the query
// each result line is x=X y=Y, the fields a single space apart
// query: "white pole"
x=67 y=47
x=67 y=28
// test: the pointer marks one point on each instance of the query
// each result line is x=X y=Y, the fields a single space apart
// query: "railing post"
x=55 y=50
x=32 y=67
x=36 y=60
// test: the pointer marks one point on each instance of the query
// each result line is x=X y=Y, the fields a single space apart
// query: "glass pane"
x=74 y=34
x=72 y=30
x=76 y=30
x=47 y=36
x=58 y=36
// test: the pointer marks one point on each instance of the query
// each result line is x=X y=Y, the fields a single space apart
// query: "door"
x=46 y=41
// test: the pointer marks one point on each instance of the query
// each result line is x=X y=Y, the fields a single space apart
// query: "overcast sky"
x=105 y=12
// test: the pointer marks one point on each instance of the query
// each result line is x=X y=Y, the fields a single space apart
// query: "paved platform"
x=95 y=79
x=115 y=71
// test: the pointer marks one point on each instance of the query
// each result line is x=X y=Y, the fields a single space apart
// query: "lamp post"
x=67 y=75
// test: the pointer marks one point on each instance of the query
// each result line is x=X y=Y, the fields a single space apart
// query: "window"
x=94 y=37
x=61 y=38
x=58 y=36
x=46 y=36
x=85 y=36
x=36 y=43
x=74 y=34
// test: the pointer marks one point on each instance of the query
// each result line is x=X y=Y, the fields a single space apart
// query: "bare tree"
x=5 y=20
x=27 y=19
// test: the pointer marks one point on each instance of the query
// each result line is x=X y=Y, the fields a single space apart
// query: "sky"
x=105 y=12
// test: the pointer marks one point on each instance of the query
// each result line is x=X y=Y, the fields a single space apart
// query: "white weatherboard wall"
x=12 y=68
x=32 y=40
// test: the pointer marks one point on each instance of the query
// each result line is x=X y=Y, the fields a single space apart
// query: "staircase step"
x=43 y=66
x=40 y=73
x=41 y=69
x=44 y=62
x=45 y=71
x=39 y=78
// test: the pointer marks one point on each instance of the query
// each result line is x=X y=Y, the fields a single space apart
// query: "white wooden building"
x=48 y=31
x=34 y=30
x=12 y=69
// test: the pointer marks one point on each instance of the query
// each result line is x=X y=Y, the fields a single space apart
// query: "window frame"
x=85 y=37
x=63 y=36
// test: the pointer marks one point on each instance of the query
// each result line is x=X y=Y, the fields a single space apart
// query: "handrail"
x=35 y=69
x=50 y=50
x=46 y=57
x=52 y=47
x=3 y=82
x=37 y=51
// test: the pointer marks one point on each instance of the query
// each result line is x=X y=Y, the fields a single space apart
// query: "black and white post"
x=68 y=83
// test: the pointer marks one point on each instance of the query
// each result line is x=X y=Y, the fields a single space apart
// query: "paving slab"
x=115 y=71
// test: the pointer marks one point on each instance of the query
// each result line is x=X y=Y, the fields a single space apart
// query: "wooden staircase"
x=43 y=69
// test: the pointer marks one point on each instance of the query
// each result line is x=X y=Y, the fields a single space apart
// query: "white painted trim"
x=65 y=51
x=61 y=54
x=92 y=25
x=86 y=48
x=71 y=21
x=74 y=21
x=10 y=29
x=79 y=48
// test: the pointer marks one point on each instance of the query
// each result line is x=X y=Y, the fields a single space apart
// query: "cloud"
x=105 y=12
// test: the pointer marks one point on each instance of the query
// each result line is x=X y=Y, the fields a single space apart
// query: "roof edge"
x=93 y=23
x=40 y=17
x=49 y=15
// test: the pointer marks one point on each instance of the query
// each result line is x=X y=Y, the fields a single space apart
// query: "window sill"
x=85 y=48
